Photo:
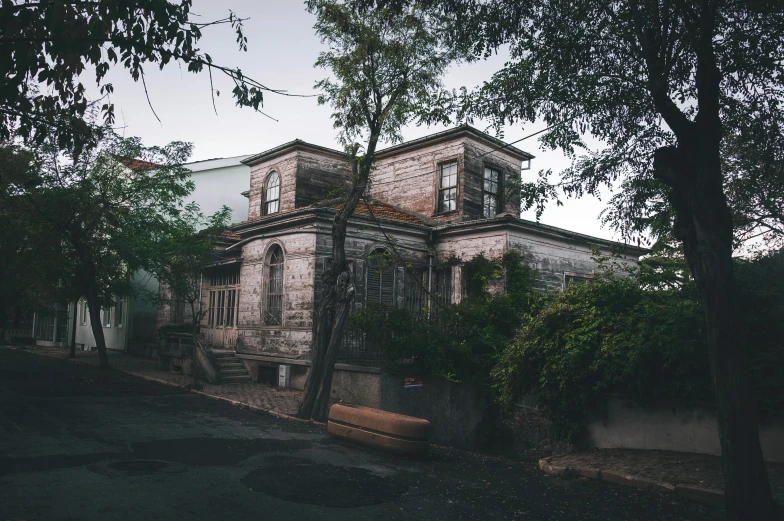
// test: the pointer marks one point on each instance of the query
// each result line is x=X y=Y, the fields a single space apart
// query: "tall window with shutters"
x=273 y=313
x=380 y=286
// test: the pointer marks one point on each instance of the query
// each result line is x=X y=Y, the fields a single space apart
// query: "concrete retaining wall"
x=630 y=426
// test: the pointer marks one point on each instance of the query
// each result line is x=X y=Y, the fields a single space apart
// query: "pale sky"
x=282 y=47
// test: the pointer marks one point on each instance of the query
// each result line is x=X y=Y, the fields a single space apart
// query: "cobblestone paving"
x=255 y=394
x=671 y=467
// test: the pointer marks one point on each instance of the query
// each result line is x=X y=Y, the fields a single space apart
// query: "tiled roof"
x=375 y=209
x=137 y=164
x=230 y=235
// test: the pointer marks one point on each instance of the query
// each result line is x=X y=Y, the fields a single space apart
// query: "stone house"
x=433 y=204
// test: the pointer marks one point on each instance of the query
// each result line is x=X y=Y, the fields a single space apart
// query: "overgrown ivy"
x=637 y=333
x=460 y=342
x=641 y=336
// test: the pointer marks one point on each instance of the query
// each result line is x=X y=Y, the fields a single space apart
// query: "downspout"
x=430 y=255
x=201 y=289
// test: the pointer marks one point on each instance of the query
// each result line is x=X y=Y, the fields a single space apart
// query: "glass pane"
x=448 y=200
x=118 y=313
x=490 y=205
x=449 y=175
x=491 y=181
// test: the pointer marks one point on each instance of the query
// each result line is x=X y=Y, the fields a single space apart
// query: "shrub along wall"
x=636 y=334
x=640 y=337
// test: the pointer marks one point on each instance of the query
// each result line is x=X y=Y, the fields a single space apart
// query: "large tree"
x=91 y=221
x=185 y=251
x=385 y=65
x=667 y=86
x=47 y=46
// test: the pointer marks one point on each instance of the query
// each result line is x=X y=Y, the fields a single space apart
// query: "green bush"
x=459 y=342
x=641 y=336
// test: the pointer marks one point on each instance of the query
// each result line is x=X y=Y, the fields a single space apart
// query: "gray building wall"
x=220 y=182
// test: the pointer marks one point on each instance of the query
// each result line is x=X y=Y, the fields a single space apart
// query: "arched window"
x=380 y=287
x=272 y=194
x=273 y=314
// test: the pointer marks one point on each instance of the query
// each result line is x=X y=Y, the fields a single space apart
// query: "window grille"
x=272 y=194
x=274 y=311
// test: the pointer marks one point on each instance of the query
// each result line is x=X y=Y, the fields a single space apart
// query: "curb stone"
x=620 y=478
x=705 y=496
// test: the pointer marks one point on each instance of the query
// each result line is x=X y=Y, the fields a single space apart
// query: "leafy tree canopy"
x=87 y=223
x=48 y=45
x=626 y=72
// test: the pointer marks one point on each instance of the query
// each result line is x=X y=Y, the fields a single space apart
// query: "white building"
x=218 y=182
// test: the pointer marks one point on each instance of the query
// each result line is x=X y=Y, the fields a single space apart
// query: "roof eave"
x=291 y=146
x=453 y=133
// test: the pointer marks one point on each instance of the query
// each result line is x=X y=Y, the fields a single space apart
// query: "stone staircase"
x=230 y=367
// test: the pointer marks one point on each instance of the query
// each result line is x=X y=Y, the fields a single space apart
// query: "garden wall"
x=693 y=429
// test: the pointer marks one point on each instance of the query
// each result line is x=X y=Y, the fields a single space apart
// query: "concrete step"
x=224 y=368
x=230 y=363
x=227 y=360
x=235 y=379
x=233 y=371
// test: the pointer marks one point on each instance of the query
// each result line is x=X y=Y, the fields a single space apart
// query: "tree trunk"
x=73 y=330
x=337 y=294
x=94 y=304
x=704 y=224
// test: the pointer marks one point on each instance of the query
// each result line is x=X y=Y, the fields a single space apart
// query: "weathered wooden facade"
x=435 y=202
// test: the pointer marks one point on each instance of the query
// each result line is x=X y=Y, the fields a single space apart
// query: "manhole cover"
x=303 y=481
x=140 y=466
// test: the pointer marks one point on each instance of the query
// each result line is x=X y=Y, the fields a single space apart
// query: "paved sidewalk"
x=694 y=476
x=255 y=395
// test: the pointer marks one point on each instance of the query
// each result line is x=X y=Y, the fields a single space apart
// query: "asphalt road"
x=77 y=445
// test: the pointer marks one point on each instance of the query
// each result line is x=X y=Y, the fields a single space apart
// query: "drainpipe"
x=201 y=288
x=430 y=254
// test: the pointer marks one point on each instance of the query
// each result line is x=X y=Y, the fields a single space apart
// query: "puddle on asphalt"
x=208 y=452
x=303 y=481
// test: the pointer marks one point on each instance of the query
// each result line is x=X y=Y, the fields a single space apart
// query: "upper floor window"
x=447 y=188
x=274 y=311
x=83 y=312
x=272 y=194
x=490 y=192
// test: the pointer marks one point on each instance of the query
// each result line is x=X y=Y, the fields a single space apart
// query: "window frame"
x=498 y=193
x=83 y=314
x=383 y=273
x=223 y=297
x=118 y=313
x=268 y=319
x=573 y=277
x=266 y=201
x=106 y=317
x=441 y=189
